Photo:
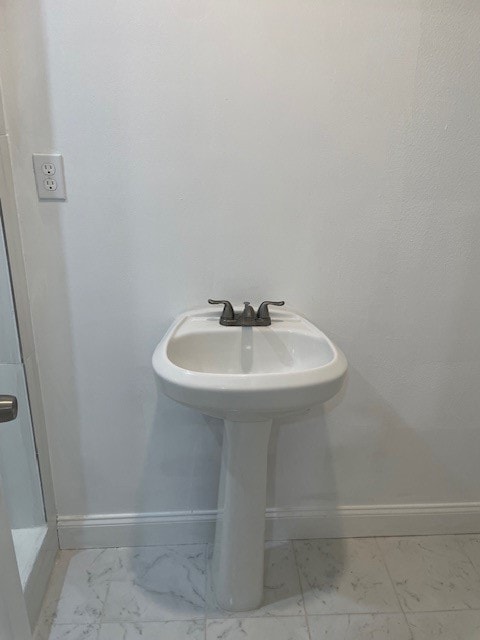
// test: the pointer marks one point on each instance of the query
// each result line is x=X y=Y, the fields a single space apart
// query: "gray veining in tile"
x=369 y=626
x=282 y=592
x=470 y=544
x=71 y=632
x=159 y=592
x=447 y=625
x=170 y=630
x=164 y=583
x=81 y=589
x=257 y=629
x=431 y=573
x=344 y=576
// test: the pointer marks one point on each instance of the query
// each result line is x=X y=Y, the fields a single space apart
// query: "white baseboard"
x=185 y=527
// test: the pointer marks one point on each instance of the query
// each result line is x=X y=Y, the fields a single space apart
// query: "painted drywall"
x=325 y=153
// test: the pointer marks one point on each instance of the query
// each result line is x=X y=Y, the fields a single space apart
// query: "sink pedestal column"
x=238 y=555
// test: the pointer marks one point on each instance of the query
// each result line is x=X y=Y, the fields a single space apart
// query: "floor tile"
x=344 y=576
x=164 y=583
x=169 y=630
x=257 y=629
x=78 y=589
x=470 y=545
x=369 y=626
x=101 y=565
x=71 y=632
x=431 y=573
x=282 y=592
x=447 y=625
x=159 y=592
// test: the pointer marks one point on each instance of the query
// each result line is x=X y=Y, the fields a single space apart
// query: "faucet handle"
x=262 y=313
x=227 y=313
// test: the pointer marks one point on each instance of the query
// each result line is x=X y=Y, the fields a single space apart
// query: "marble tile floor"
x=411 y=588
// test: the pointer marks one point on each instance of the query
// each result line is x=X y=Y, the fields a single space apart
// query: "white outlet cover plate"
x=49 y=176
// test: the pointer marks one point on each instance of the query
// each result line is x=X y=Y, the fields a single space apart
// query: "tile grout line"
x=387 y=613
x=301 y=589
x=140 y=621
x=384 y=562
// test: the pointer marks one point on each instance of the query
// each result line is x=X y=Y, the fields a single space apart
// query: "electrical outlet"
x=48 y=168
x=45 y=166
x=50 y=184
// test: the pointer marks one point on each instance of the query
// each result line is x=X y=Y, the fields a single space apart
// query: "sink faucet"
x=247 y=317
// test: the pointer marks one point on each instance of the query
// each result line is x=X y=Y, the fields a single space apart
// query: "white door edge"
x=14 y=623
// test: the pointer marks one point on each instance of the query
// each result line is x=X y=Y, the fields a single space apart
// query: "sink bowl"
x=248 y=376
x=248 y=373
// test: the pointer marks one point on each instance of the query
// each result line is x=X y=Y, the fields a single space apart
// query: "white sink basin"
x=247 y=376
x=248 y=373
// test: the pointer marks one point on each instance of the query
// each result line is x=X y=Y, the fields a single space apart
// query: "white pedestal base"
x=240 y=531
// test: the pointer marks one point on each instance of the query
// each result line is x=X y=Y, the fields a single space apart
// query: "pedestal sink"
x=247 y=376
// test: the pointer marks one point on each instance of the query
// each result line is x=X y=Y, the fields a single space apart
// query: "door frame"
x=35 y=588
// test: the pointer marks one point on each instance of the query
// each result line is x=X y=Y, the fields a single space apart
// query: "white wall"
x=322 y=152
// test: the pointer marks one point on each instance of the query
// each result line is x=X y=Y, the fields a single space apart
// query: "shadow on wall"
x=317 y=465
x=370 y=440
x=184 y=451
x=326 y=461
